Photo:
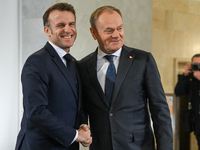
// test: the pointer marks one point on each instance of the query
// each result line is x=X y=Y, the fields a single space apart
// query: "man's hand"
x=87 y=143
x=188 y=69
x=84 y=135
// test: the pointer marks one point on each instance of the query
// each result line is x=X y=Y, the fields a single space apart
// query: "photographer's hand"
x=188 y=69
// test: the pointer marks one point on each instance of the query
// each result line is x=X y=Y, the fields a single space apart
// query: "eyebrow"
x=109 y=28
x=120 y=25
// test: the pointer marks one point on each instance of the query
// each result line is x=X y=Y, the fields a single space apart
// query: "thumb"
x=85 y=127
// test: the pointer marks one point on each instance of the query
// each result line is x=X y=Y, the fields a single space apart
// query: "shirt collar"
x=60 y=51
x=101 y=54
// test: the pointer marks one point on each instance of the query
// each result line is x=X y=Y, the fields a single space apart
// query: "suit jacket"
x=126 y=125
x=51 y=103
x=190 y=85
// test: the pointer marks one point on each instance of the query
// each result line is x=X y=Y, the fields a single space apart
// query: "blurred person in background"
x=189 y=84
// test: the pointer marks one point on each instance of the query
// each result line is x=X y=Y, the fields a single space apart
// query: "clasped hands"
x=84 y=135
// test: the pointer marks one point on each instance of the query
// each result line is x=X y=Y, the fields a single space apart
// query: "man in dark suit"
x=52 y=90
x=189 y=84
x=120 y=118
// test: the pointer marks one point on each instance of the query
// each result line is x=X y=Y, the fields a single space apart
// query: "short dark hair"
x=94 y=16
x=60 y=7
x=196 y=55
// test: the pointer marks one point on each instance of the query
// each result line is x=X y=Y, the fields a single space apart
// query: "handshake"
x=84 y=135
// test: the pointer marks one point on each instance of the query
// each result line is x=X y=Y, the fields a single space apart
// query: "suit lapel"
x=56 y=59
x=125 y=62
x=91 y=68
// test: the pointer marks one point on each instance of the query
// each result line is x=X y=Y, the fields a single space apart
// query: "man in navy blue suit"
x=51 y=91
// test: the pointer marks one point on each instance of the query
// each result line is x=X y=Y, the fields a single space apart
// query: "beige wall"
x=176 y=33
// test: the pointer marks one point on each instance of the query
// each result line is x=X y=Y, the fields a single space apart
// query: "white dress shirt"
x=102 y=66
x=62 y=53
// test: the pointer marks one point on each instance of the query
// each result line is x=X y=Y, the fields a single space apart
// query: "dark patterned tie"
x=71 y=66
x=110 y=78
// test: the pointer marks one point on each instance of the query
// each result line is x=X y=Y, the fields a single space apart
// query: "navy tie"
x=71 y=66
x=110 y=78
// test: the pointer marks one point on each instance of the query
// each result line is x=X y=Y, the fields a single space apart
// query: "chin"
x=116 y=48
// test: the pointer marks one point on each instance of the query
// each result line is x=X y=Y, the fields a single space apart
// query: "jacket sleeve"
x=83 y=110
x=158 y=106
x=182 y=86
x=35 y=82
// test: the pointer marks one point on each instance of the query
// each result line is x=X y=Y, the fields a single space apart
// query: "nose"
x=67 y=28
x=115 y=34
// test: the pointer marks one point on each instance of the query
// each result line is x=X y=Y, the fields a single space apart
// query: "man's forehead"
x=61 y=14
x=196 y=59
x=61 y=17
x=109 y=21
x=108 y=14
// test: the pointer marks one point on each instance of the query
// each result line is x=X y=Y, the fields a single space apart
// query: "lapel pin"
x=130 y=57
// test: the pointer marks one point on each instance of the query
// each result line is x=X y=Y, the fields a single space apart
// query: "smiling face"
x=62 y=30
x=109 y=32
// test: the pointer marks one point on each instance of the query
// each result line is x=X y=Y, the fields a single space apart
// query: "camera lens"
x=195 y=67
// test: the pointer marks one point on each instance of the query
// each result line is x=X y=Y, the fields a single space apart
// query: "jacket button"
x=111 y=114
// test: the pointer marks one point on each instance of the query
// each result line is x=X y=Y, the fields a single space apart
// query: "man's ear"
x=47 y=31
x=93 y=32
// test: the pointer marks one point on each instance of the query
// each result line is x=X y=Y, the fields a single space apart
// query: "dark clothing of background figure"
x=183 y=87
x=125 y=124
x=51 y=106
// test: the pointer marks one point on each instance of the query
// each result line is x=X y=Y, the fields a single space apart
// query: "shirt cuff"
x=76 y=136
